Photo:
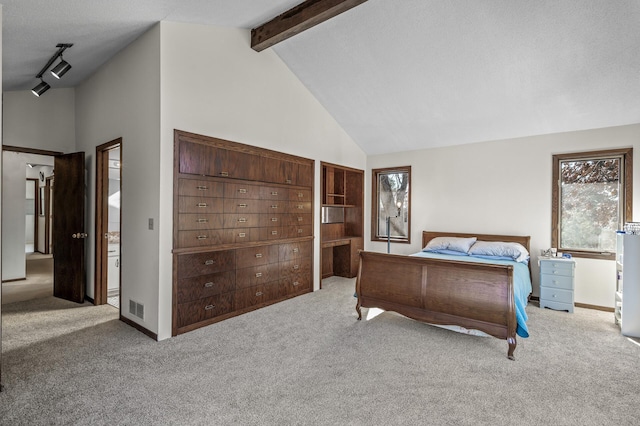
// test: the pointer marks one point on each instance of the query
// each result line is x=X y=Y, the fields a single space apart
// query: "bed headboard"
x=524 y=240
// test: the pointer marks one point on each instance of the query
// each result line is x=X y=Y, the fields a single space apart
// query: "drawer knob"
x=202 y=237
x=209 y=307
x=258 y=274
x=209 y=284
x=554 y=295
x=209 y=262
x=258 y=255
x=202 y=187
x=259 y=294
x=202 y=205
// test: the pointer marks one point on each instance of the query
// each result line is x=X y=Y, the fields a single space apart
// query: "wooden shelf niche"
x=342 y=215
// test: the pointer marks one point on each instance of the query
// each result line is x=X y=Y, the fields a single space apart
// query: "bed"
x=448 y=286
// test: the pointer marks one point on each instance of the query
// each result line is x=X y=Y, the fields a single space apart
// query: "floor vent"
x=136 y=309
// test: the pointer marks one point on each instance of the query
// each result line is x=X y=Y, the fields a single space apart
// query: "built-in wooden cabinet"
x=342 y=228
x=243 y=229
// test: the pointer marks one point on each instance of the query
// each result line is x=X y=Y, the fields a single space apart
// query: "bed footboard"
x=470 y=295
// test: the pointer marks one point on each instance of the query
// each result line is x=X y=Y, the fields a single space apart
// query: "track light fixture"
x=58 y=71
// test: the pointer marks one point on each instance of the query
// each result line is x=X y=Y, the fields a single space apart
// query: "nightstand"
x=556 y=283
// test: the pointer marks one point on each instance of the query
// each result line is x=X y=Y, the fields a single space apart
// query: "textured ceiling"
x=397 y=75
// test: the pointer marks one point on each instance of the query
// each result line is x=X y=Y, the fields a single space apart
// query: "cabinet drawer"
x=240 y=206
x=191 y=265
x=557 y=268
x=272 y=220
x=300 y=195
x=296 y=219
x=190 y=289
x=556 y=281
x=212 y=237
x=241 y=220
x=274 y=193
x=292 y=251
x=203 y=309
x=295 y=268
x=242 y=191
x=196 y=221
x=255 y=256
x=272 y=233
x=257 y=275
x=273 y=206
x=252 y=296
x=199 y=205
x=299 y=207
x=294 y=285
x=297 y=231
x=200 y=188
x=556 y=295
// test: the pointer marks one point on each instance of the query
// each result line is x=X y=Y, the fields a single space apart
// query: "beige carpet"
x=308 y=361
x=38 y=283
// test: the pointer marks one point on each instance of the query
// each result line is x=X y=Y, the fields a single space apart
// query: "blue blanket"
x=521 y=283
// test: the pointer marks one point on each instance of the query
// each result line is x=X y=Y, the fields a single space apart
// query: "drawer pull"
x=200 y=220
x=202 y=237
x=300 y=219
x=288 y=181
x=274 y=193
x=209 y=284
x=242 y=205
x=258 y=255
x=300 y=195
x=553 y=295
x=242 y=235
x=209 y=262
x=274 y=219
x=299 y=231
x=300 y=207
x=258 y=274
x=242 y=219
x=242 y=191
x=224 y=174
x=296 y=267
x=274 y=232
x=259 y=294
x=202 y=187
x=202 y=205
x=296 y=283
x=274 y=206
x=296 y=250
x=209 y=307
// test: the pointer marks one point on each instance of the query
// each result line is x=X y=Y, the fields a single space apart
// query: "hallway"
x=39 y=282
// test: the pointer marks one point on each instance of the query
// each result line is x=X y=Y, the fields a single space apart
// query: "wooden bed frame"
x=446 y=292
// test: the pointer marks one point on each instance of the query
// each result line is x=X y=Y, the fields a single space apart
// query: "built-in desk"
x=340 y=257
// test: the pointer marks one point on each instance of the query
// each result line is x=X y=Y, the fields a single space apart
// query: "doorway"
x=108 y=218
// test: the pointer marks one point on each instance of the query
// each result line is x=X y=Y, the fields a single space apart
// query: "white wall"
x=214 y=84
x=503 y=187
x=46 y=122
x=122 y=99
x=14 y=175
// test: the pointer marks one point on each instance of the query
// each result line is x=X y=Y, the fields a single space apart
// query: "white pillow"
x=450 y=243
x=516 y=251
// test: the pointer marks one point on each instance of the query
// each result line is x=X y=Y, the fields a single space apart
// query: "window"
x=591 y=201
x=391 y=201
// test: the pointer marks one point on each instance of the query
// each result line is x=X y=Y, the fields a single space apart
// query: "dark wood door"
x=68 y=227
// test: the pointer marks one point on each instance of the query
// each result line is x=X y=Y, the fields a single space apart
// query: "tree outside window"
x=391 y=201
x=592 y=200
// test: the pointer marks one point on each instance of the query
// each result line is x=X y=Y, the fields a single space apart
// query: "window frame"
x=375 y=211
x=626 y=193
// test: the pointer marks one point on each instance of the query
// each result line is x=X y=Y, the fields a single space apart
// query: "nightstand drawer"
x=556 y=268
x=556 y=281
x=556 y=295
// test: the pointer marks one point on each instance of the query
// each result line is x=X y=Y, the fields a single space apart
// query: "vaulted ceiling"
x=397 y=75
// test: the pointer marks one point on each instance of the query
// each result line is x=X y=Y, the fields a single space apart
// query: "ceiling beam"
x=297 y=19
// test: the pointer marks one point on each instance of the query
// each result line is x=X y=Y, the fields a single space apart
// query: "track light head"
x=42 y=87
x=60 y=69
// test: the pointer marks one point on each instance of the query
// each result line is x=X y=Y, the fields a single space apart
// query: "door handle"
x=80 y=235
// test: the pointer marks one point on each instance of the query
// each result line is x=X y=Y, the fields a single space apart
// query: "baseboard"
x=581 y=305
x=140 y=328
x=14 y=279
x=89 y=299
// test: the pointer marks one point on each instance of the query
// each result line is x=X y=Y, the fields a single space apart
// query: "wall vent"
x=136 y=309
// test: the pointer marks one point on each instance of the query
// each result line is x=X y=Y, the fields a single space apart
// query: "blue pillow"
x=452 y=252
